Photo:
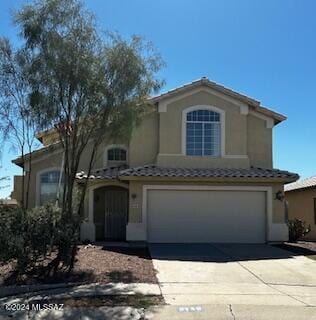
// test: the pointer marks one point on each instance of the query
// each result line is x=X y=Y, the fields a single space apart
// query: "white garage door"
x=205 y=216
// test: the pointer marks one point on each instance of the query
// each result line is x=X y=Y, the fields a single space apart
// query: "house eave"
x=211 y=180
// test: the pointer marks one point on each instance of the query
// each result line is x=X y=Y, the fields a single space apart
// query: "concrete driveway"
x=233 y=274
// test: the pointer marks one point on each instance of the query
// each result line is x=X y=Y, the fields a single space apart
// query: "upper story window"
x=49 y=183
x=203 y=133
x=115 y=155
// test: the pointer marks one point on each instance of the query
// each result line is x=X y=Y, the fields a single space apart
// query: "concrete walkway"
x=231 y=312
x=191 y=274
x=88 y=290
x=31 y=298
x=205 y=312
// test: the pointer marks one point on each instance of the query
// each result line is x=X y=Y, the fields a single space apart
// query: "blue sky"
x=264 y=49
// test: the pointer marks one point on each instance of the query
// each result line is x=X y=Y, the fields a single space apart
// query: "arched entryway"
x=110 y=213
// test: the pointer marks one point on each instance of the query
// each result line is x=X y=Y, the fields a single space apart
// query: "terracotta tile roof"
x=109 y=173
x=302 y=184
x=253 y=172
x=112 y=173
x=227 y=91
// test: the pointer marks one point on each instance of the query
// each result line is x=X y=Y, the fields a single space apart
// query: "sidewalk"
x=206 y=312
x=27 y=293
x=28 y=298
x=231 y=312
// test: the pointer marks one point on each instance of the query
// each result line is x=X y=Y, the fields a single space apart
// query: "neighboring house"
x=301 y=198
x=197 y=169
x=17 y=191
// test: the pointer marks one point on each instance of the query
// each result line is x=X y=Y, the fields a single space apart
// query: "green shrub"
x=297 y=229
x=11 y=233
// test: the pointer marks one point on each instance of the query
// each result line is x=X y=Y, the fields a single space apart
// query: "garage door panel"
x=206 y=216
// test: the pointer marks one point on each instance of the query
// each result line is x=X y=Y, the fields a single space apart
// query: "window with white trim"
x=49 y=182
x=117 y=154
x=203 y=133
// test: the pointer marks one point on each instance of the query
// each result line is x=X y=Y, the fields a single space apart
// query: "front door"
x=116 y=206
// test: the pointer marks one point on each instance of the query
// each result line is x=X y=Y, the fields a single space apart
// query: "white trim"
x=112 y=146
x=244 y=109
x=222 y=124
x=162 y=105
x=269 y=121
x=235 y=156
x=170 y=154
x=269 y=206
x=38 y=182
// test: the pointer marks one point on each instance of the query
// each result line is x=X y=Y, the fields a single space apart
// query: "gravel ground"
x=95 y=264
x=305 y=248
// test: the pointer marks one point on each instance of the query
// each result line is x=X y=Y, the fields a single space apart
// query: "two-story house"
x=197 y=169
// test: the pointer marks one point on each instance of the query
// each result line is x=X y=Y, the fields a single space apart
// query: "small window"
x=49 y=182
x=117 y=154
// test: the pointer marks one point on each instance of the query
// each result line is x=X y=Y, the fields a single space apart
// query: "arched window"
x=203 y=133
x=49 y=182
x=117 y=155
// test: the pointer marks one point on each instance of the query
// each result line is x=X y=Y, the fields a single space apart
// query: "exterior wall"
x=143 y=146
x=45 y=162
x=301 y=206
x=259 y=142
x=135 y=228
x=158 y=140
x=100 y=158
x=201 y=162
x=17 y=191
x=170 y=136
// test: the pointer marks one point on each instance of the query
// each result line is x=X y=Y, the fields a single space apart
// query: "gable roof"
x=204 y=81
x=302 y=184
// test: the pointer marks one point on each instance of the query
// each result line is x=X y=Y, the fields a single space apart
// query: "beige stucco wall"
x=45 y=163
x=17 y=191
x=259 y=142
x=136 y=187
x=246 y=136
x=170 y=124
x=158 y=139
x=53 y=161
x=143 y=146
x=201 y=162
x=301 y=206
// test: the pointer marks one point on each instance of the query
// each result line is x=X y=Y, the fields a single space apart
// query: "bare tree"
x=17 y=126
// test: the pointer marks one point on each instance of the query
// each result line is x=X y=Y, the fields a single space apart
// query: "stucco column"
x=87 y=230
